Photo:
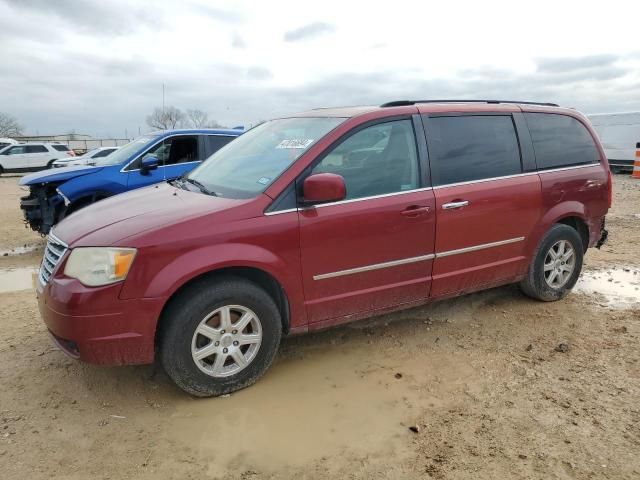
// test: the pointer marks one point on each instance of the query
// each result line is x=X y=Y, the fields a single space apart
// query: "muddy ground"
x=493 y=385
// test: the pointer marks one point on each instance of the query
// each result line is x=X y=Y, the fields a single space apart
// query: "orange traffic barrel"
x=636 y=163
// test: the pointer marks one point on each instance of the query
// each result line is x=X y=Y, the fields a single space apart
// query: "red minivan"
x=321 y=218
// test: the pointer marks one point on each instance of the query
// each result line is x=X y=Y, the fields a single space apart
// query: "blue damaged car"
x=156 y=157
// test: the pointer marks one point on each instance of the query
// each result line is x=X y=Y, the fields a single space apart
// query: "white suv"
x=88 y=158
x=29 y=157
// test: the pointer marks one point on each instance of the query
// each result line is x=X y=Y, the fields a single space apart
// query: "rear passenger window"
x=475 y=147
x=560 y=141
x=60 y=148
x=102 y=153
x=35 y=149
x=216 y=142
x=376 y=160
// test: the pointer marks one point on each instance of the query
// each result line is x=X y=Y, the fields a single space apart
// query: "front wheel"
x=218 y=337
x=556 y=265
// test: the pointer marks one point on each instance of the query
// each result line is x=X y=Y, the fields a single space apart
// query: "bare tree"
x=170 y=118
x=197 y=118
x=9 y=126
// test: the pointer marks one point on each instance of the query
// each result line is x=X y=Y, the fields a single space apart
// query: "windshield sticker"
x=264 y=180
x=295 y=143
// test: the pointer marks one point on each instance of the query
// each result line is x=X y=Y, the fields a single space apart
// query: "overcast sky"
x=97 y=66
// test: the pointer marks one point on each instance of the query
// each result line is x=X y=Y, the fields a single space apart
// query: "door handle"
x=455 y=204
x=415 y=210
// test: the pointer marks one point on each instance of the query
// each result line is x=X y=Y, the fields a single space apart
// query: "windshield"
x=125 y=152
x=250 y=163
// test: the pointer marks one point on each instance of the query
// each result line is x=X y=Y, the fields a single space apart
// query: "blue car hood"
x=58 y=174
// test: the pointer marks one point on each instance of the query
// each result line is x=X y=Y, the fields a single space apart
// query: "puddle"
x=619 y=286
x=19 y=250
x=15 y=279
x=332 y=403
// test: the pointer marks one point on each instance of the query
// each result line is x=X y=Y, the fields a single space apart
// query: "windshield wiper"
x=202 y=188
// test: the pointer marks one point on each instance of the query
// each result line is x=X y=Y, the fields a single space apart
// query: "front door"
x=176 y=155
x=16 y=158
x=374 y=249
x=486 y=205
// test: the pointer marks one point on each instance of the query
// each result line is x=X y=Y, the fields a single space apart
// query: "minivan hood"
x=58 y=174
x=121 y=216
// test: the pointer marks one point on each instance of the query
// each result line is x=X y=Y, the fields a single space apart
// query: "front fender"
x=193 y=263
x=104 y=183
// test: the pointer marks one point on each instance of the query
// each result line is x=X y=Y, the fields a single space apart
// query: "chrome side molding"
x=422 y=258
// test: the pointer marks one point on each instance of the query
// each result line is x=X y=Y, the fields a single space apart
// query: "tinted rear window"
x=467 y=148
x=103 y=153
x=216 y=142
x=560 y=141
x=61 y=148
x=35 y=149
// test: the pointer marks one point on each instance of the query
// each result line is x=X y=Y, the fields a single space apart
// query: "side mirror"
x=150 y=162
x=323 y=187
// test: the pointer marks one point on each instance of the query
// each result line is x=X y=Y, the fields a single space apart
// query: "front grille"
x=52 y=254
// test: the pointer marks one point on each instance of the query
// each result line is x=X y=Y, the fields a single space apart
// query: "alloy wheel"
x=226 y=341
x=559 y=264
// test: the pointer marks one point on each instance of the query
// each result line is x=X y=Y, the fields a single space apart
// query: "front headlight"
x=96 y=266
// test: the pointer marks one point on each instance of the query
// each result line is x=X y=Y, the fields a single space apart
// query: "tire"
x=1 y=170
x=50 y=163
x=539 y=283
x=187 y=312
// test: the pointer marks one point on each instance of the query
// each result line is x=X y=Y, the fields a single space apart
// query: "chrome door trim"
x=537 y=172
x=278 y=212
x=372 y=197
x=482 y=246
x=561 y=169
x=422 y=258
x=340 y=202
x=375 y=266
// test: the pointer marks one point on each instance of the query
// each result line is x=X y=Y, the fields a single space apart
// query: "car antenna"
x=164 y=118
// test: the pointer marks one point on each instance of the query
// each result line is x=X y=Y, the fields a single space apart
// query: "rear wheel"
x=219 y=337
x=50 y=164
x=556 y=265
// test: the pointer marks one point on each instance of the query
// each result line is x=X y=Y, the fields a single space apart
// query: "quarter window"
x=376 y=160
x=475 y=147
x=60 y=148
x=560 y=141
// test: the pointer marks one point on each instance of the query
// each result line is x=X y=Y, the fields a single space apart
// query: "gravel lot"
x=487 y=386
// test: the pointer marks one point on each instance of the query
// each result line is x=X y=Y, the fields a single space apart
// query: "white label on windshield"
x=264 y=180
x=295 y=143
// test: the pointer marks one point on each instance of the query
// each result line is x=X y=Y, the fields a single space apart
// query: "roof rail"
x=404 y=103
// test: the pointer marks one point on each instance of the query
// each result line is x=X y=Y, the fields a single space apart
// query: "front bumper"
x=41 y=210
x=95 y=326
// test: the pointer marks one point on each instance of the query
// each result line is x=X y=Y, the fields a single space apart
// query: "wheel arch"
x=569 y=213
x=578 y=224
x=256 y=275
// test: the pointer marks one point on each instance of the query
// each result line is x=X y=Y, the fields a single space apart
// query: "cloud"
x=570 y=64
x=237 y=41
x=95 y=16
x=309 y=31
x=218 y=14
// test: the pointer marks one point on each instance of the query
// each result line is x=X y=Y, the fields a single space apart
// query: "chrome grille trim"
x=53 y=253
